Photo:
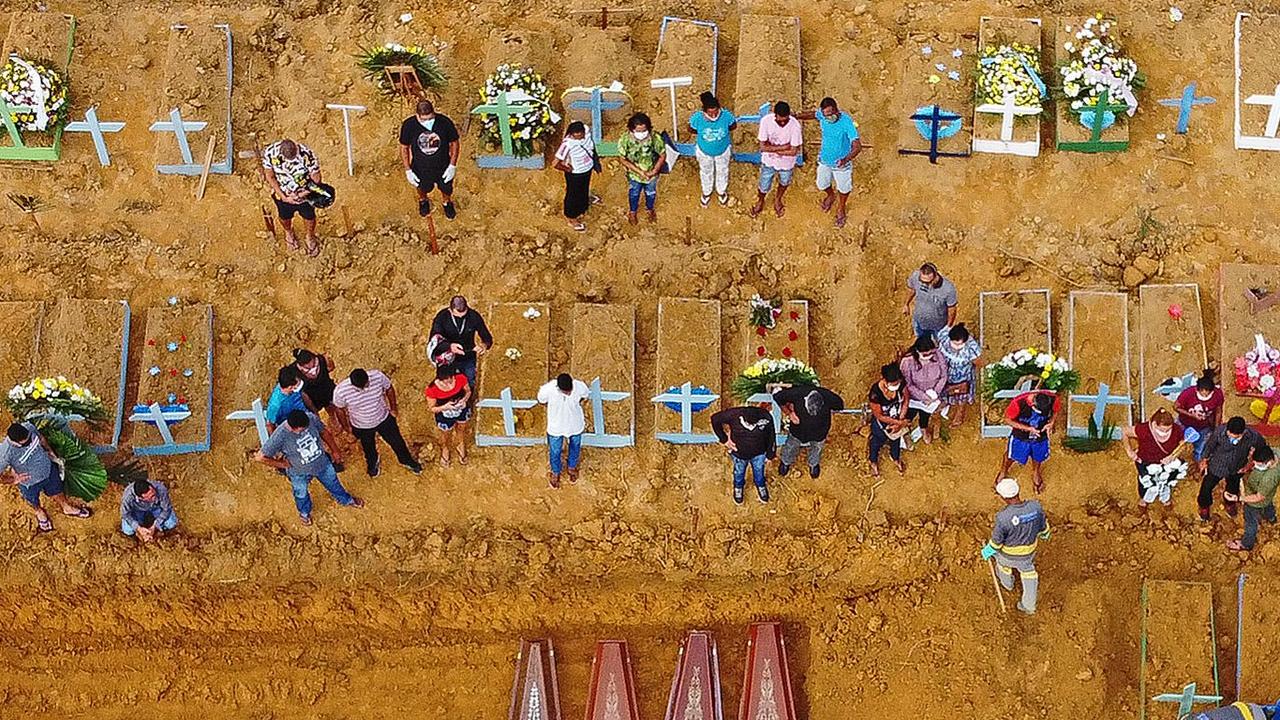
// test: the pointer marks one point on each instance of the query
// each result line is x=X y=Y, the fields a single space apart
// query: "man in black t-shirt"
x=429 y=144
x=458 y=325
x=807 y=410
x=748 y=434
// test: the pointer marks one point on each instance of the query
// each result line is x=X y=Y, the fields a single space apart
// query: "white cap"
x=1007 y=488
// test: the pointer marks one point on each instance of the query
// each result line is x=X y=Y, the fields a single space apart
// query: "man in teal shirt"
x=840 y=145
x=712 y=126
x=1258 y=495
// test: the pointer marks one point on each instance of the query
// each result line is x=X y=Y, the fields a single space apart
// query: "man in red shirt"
x=1032 y=416
x=1200 y=408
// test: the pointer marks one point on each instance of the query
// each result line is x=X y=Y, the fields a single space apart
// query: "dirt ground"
x=415 y=605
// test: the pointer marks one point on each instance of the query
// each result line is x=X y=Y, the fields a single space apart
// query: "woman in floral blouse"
x=961 y=352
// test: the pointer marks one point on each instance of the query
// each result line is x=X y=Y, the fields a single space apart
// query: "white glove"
x=449 y=172
x=411 y=177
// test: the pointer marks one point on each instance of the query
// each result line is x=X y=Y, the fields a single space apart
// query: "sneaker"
x=1204 y=514
x=763 y=492
x=377 y=468
x=424 y=207
x=450 y=211
x=415 y=468
x=783 y=469
x=737 y=495
x=706 y=201
x=815 y=471
x=553 y=479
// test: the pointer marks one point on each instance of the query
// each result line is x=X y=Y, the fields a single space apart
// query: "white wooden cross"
x=257 y=414
x=598 y=437
x=91 y=125
x=1273 y=115
x=1009 y=109
x=162 y=419
x=508 y=404
x=346 y=129
x=179 y=128
x=671 y=84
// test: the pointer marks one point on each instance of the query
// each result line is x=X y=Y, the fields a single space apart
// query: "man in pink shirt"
x=779 y=145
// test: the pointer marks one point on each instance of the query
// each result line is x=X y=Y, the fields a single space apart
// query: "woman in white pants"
x=712 y=126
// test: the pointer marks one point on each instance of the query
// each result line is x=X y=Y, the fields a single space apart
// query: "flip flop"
x=291 y=241
x=44 y=526
x=779 y=210
x=840 y=220
x=306 y=519
x=1235 y=545
x=313 y=247
x=83 y=513
x=755 y=211
x=827 y=203
x=580 y=227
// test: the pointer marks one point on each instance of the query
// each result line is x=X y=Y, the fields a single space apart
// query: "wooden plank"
x=188 y=327
x=951 y=95
x=204 y=166
x=531 y=336
x=1168 y=347
x=20 y=327
x=794 y=319
x=1180 y=643
x=604 y=346
x=83 y=339
x=1098 y=348
x=688 y=351
x=1237 y=325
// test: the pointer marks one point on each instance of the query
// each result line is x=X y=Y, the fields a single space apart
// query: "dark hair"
x=709 y=101
x=445 y=372
x=959 y=333
x=1205 y=381
x=564 y=381
x=303 y=355
x=1162 y=417
x=147 y=520
x=639 y=119
x=923 y=344
x=18 y=433
x=828 y=102
x=359 y=378
x=288 y=376
x=1263 y=453
x=458 y=303
x=1236 y=425
x=577 y=126
x=1044 y=402
x=140 y=487
x=781 y=108
x=929 y=268
x=891 y=372
x=424 y=107
x=289 y=149
x=298 y=419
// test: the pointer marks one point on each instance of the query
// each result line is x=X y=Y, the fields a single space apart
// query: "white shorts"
x=843 y=178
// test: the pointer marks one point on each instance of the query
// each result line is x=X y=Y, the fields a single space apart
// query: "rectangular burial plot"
x=88 y=342
x=604 y=348
x=1171 y=338
x=1070 y=132
x=1237 y=324
x=688 y=353
x=1257 y=81
x=508 y=412
x=768 y=71
x=1009 y=320
x=1258 y=673
x=20 y=328
x=1009 y=128
x=1177 y=644
x=1098 y=324
x=40 y=39
x=198 y=85
x=686 y=48
x=788 y=338
x=934 y=77
x=177 y=375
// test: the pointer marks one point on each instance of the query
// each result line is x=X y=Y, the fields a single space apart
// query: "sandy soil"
x=187 y=326
x=1259 y=677
x=688 y=351
x=529 y=336
x=919 y=58
x=1011 y=321
x=1099 y=350
x=604 y=346
x=791 y=332
x=1169 y=347
x=20 y=325
x=1180 y=642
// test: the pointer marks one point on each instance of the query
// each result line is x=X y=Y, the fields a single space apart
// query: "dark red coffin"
x=695 y=689
x=613 y=691
x=535 y=695
x=766 y=686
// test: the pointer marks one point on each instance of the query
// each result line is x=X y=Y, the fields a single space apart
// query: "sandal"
x=580 y=227
x=306 y=519
x=779 y=210
x=840 y=220
x=291 y=241
x=827 y=203
x=462 y=459
x=313 y=246
x=83 y=513
x=44 y=525
x=706 y=200
x=1235 y=545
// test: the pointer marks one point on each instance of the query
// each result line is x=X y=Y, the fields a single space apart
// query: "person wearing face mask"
x=429 y=146
x=780 y=144
x=643 y=154
x=1031 y=416
x=576 y=158
x=1227 y=455
x=1155 y=442
x=285 y=397
x=712 y=126
x=1258 y=496
x=961 y=352
x=1200 y=408
x=840 y=145
x=888 y=400
x=317 y=381
x=748 y=435
x=925 y=372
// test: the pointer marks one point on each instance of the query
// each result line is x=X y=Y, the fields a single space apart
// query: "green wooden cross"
x=1095 y=143
x=17 y=149
x=504 y=112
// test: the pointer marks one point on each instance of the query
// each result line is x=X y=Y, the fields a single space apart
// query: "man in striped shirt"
x=365 y=405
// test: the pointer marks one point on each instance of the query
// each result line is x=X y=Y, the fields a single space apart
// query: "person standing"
x=288 y=167
x=1237 y=711
x=448 y=399
x=747 y=433
x=643 y=154
x=1019 y=527
x=1258 y=496
x=925 y=372
x=840 y=145
x=317 y=381
x=27 y=460
x=146 y=512
x=429 y=147
x=576 y=158
x=934 y=299
x=365 y=405
x=1156 y=442
x=807 y=410
x=713 y=149
x=888 y=403
x=961 y=352
x=1200 y=408
x=304 y=449
x=1031 y=416
x=286 y=397
x=780 y=144
x=565 y=423
x=1227 y=455
x=457 y=326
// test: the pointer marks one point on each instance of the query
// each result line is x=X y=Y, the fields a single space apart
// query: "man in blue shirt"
x=712 y=126
x=840 y=145
x=285 y=397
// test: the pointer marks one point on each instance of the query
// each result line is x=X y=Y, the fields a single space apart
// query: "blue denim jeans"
x=635 y=187
x=168 y=524
x=1198 y=445
x=555 y=447
x=328 y=477
x=740 y=470
x=1251 y=517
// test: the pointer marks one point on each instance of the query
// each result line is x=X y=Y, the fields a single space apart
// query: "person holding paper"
x=925 y=372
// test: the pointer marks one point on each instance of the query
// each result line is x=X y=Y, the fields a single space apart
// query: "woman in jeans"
x=448 y=395
x=576 y=159
x=961 y=352
x=925 y=372
x=643 y=154
x=888 y=401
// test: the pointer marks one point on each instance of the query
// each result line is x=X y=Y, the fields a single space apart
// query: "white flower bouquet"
x=1053 y=372
x=1159 y=479
x=523 y=85
x=1010 y=68
x=1095 y=64
x=36 y=86
x=764 y=312
x=54 y=396
x=513 y=354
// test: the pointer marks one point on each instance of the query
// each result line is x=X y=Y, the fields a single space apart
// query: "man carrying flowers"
x=290 y=169
x=26 y=460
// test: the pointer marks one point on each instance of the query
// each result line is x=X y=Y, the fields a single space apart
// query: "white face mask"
x=428 y=123
x=640 y=135
x=894 y=388
x=1260 y=466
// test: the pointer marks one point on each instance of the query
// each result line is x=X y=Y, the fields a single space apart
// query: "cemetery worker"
x=713 y=150
x=448 y=398
x=1200 y=408
x=146 y=510
x=780 y=143
x=459 y=325
x=285 y=397
x=1155 y=442
x=26 y=460
x=576 y=158
x=931 y=301
x=840 y=145
x=1258 y=496
x=888 y=404
x=288 y=167
x=748 y=434
x=1227 y=455
x=961 y=351
x=1236 y=711
x=1019 y=526
x=565 y=423
x=429 y=144
x=317 y=382
x=303 y=448
x=1031 y=416
x=807 y=410
x=365 y=404
x=925 y=372
x=644 y=156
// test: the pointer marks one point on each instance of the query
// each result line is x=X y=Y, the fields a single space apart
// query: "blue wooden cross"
x=596 y=106
x=934 y=119
x=508 y=404
x=179 y=128
x=1184 y=105
x=502 y=109
x=686 y=399
x=1186 y=699
x=1002 y=430
x=258 y=415
x=95 y=128
x=1100 y=401
x=598 y=437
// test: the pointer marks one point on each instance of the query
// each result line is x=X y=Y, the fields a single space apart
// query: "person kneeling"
x=146 y=512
